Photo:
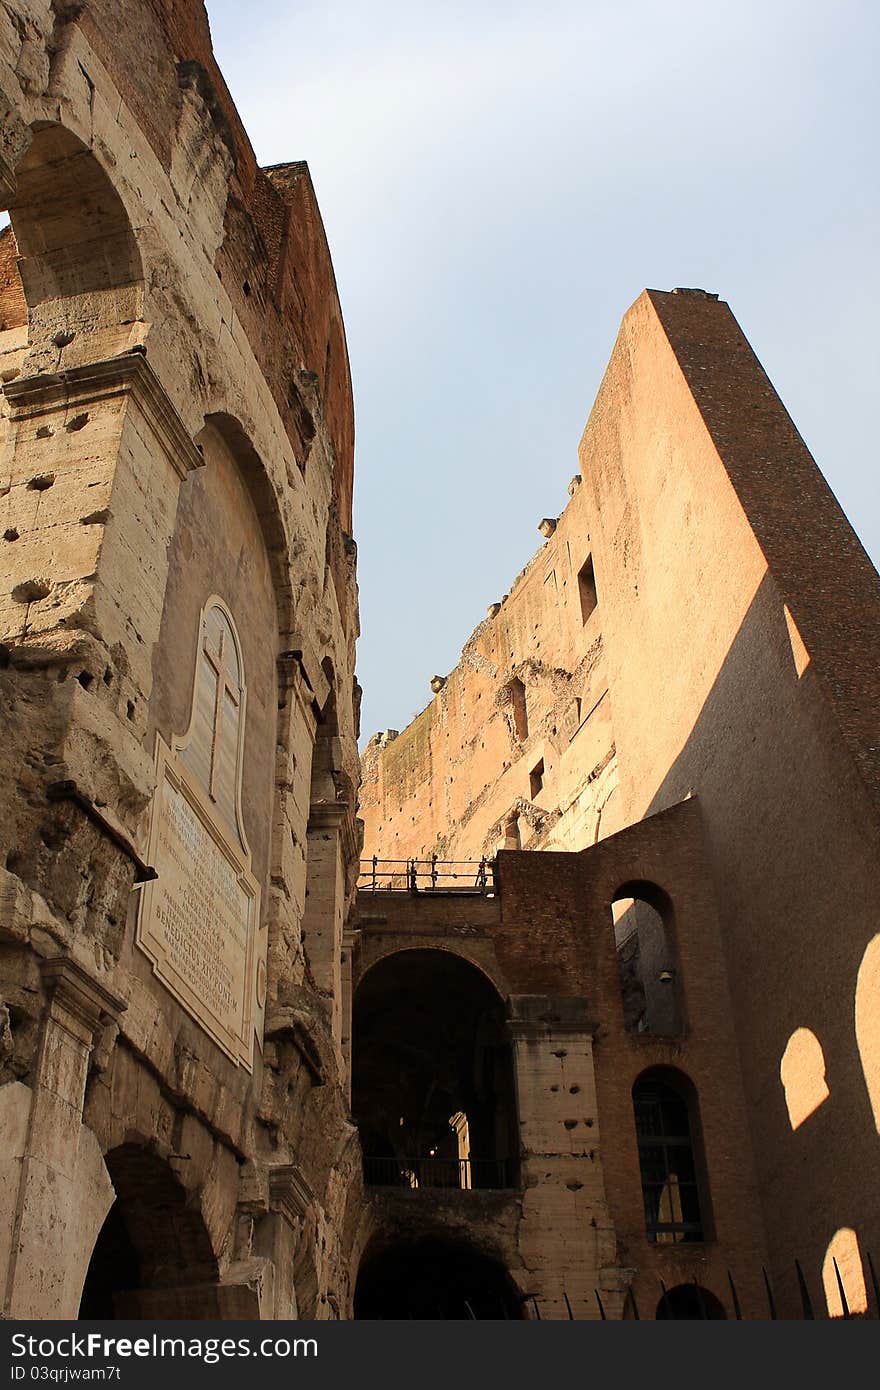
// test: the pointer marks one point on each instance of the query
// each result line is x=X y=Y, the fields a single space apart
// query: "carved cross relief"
x=212 y=747
x=227 y=685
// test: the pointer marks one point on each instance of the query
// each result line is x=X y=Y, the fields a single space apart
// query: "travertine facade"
x=178 y=614
x=618 y=1075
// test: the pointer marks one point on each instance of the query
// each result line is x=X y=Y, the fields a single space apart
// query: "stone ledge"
x=114 y=376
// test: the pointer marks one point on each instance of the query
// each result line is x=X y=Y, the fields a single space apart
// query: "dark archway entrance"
x=153 y=1240
x=437 y=1280
x=689 y=1303
x=432 y=1075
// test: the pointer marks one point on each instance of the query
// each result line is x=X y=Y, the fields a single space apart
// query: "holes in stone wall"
x=31 y=591
x=41 y=482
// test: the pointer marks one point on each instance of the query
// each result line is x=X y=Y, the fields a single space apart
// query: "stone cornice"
x=537 y=1016
x=71 y=986
x=336 y=815
x=130 y=373
x=289 y=1193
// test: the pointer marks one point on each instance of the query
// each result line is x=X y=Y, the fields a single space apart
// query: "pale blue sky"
x=498 y=183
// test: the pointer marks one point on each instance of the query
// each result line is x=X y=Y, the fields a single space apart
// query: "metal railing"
x=419 y=1173
x=427 y=876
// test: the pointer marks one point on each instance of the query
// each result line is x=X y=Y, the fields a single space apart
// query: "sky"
x=498 y=183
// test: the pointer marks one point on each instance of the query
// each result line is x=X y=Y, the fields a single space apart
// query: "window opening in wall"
x=643 y=940
x=536 y=779
x=670 y=1187
x=587 y=589
x=520 y=709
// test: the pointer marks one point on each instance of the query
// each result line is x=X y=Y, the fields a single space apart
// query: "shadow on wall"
x=764 y=756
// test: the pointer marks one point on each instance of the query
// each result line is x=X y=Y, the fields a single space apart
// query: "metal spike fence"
x=668 y=1308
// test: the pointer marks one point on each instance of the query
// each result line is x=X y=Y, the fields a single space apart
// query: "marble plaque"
x=198 y=921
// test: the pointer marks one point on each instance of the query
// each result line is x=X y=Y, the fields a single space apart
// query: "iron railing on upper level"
x=433 y=1172
x=427 y=876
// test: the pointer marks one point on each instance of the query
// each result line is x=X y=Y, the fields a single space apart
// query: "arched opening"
x=689 y=1303
x=436 y=1280
x=644 y=941
x=77 y=259
x=674 y=1186
x=802 y=1073
x=153 y=1240
x=432 y=1075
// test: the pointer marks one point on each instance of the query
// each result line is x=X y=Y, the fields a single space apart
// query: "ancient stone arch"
x=77 y=256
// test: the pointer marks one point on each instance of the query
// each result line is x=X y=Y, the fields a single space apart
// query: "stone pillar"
x=325 y=906
x=566 y=1239
x=349 y=942
x=275 y=1203
x=56 y=1191
x=89 y=477
x=286 y=895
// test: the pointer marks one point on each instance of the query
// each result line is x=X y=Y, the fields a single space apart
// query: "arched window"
x=646 y=959
x=667 y=1126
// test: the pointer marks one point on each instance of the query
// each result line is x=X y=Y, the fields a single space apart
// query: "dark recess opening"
x=436 y=1280
x=587 y=589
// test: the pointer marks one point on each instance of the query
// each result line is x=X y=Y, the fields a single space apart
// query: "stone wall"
x=177 y=431
x=530 y=692
x=575 y=1221
x=732 y=655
